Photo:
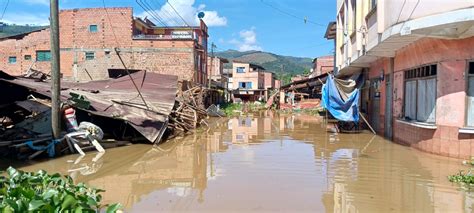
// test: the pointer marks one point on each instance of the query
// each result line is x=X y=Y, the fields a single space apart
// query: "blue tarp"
x=343 y=110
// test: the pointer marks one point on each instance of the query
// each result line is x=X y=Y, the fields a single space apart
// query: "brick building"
x=322 y=65
x=88 y=38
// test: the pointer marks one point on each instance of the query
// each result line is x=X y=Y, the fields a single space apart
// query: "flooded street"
x=270 y=162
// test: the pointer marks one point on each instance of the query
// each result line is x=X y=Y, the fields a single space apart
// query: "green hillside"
x=283 y=66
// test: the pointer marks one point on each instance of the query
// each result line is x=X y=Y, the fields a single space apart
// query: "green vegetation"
x=237 y=108
x=40 y=192
x=231 y=108
x=465 y=178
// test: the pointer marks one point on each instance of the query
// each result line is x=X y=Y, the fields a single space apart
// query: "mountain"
x=270 y=61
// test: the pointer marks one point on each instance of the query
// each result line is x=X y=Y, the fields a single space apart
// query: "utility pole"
x=212 y=63
x=55 y=70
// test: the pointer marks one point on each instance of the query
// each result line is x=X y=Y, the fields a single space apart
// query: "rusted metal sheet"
x=118 y=99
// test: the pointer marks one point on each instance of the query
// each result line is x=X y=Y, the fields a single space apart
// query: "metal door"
x=388 y=106
x=374 y=106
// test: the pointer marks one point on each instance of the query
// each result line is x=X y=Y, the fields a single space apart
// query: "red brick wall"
x=26 y=46
x=174 y=57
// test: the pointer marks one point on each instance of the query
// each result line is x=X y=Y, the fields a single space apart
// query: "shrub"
x=40 y=192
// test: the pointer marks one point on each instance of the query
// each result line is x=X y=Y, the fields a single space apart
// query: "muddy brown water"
x=270 y=162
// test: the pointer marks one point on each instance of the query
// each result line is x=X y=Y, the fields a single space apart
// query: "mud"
x=269 y=162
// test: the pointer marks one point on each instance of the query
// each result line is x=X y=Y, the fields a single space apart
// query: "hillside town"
x=140 y=99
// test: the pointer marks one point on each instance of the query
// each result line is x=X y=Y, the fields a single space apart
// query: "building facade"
x=322 y=65
x=252 y=82
x=90 y=39
x=417 y=59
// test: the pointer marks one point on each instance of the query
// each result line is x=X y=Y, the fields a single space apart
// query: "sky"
x=285 y=27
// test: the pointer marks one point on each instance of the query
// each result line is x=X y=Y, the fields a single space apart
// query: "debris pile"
x=188 y=112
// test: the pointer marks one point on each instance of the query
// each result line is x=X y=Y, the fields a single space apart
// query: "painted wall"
x=451 y=57
x=250 y=75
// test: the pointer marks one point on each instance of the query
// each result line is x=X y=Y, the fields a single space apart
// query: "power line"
x=5 y=9
x=306 y=20
x=165 y=13
x=150 y=12
x=169 y=3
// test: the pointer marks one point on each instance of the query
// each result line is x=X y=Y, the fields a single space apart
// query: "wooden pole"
x=55 y=70
x=370 y=127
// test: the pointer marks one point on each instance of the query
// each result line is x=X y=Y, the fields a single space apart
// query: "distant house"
x=322 y=65
x=215 y=68
x=251 y=82
x=89 y=37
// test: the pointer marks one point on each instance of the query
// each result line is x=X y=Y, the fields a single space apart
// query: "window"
x=43 y=55
x=245 y=85
x=354 y=15
x=90 y=55
x=373 y=4
x=240 y=69
x=470 y=95
x=28 y=57
x=12 y=60
x=93 y=28
x=420 y=94
x=246 y=122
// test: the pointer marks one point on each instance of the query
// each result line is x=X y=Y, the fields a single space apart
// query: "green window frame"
x=12 y=60
x=43 y=55
x=90 y=56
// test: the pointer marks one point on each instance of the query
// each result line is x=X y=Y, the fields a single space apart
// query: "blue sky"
x=276 y=26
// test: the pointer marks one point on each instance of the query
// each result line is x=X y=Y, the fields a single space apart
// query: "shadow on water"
x=267 y=162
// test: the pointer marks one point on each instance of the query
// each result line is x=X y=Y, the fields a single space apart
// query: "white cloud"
x=26 y=18
x=248 y=40
x=188 y=12
x=42 y=2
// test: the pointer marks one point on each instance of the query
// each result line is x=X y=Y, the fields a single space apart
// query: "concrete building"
x=215 y=68
x=90 y=36
x=252 y=82
x=248 y=81
x=417 y=58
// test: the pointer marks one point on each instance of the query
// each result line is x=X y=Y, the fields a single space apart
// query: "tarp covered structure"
x=341 y=98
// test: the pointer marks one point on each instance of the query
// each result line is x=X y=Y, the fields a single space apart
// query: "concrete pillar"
x=282 y=97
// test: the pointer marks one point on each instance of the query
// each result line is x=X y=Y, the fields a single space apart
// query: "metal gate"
x=388 y=106
x=374 y=106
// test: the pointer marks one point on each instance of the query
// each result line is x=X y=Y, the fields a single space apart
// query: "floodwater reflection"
x=269 y=162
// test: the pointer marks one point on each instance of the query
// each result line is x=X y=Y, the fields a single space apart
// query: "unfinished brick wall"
x=175 y=62
x=114 y=29
x=26 y=46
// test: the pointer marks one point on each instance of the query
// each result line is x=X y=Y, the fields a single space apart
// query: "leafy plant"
x=231 y=108
x=40 y=192
x=464 y=177
x=461 y=177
